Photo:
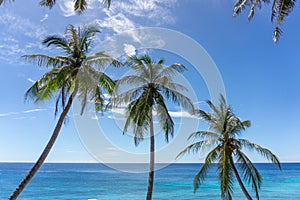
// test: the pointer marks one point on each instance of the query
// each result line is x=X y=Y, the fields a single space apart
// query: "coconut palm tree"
x=70 y=74
x=79 y=6
x=280 y=11
x=226 y=149
x=149 y=88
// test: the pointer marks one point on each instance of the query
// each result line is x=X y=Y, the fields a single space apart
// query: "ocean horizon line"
x=65 y=162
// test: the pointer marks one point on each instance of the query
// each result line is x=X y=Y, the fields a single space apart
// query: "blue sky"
x=261 y=78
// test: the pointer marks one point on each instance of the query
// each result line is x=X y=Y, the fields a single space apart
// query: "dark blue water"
x=96 y=181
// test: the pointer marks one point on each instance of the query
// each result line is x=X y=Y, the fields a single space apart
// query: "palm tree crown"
x=76 y=67
x=150 y=85
x=280 y=10
x=224 y=143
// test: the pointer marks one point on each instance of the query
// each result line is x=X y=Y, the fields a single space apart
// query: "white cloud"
x=8 y=114
x=30 y=80
x=17 y=24
x=118 y=112
x=67 y=7
x=117 y=22
x=21 y=112
x=44 y=18
x=129 y=14
x=158 y=10
x=17 y=30
x=129 y=49
x=33 y=110
x=181 y=114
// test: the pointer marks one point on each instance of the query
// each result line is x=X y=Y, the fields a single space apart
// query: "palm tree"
x=280 y=10
x=79 y=6
x=70 y=74
x=225 y=146
x=151 y=84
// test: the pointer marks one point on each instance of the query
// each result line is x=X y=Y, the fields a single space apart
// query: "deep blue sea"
x=98 y=182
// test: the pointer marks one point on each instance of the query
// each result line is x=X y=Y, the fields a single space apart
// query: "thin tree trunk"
x=47 y=149
x=152 y=153
x=240 y=181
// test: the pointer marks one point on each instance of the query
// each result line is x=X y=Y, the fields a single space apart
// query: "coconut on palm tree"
x=226 y=150
x=279 y=12
x=70 y=74
x=148 y=89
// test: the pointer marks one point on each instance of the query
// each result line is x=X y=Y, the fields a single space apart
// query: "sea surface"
x=99 y=182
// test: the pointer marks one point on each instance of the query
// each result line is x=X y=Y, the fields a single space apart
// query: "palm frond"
x=86 y=36
x=250 y=173
x=170 y=70
x=165 y=119
x=225 y=173
x=127 y=96
x=203 y=135
x=178 y=98
x=276 y=34
x=201 y=175
x=101 y=60
x=48 y=3
x=266 y=153
x=107 y=2
x=138 y=111
x=197 y=146
x=47 y=61
x=132 y=80
x=206 y=116
x=57 y=41
x=80 y=6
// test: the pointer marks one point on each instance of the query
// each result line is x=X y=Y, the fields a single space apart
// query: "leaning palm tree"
x=79 y=6
x=149 y=88
x=280 y=11
x=226 y=149
x=70 y=74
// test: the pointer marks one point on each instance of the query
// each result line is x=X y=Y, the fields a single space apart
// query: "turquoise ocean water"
x=98 y=182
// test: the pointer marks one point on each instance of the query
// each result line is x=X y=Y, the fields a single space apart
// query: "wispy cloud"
x=44 y=18
x=17 y=24
x=21 y=112
x=119 y=113
x=156 y=10
x=17 y=28
x=30 y=80
x=124 y=15
x=67 y=7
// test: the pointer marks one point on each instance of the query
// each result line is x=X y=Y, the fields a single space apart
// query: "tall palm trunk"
x=240 y=181
x=47 y=149
x=152 y=153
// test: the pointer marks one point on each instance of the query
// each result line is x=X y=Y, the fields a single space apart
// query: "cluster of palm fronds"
x=280 y=11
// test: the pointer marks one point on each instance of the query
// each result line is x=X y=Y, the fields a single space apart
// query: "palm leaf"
x=201 y=175
x=250 y=173
x=261 y=150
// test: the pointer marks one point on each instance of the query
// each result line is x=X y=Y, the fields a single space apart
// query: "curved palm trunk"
x=47 y=149
x=151 y=170
x=240 y=181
